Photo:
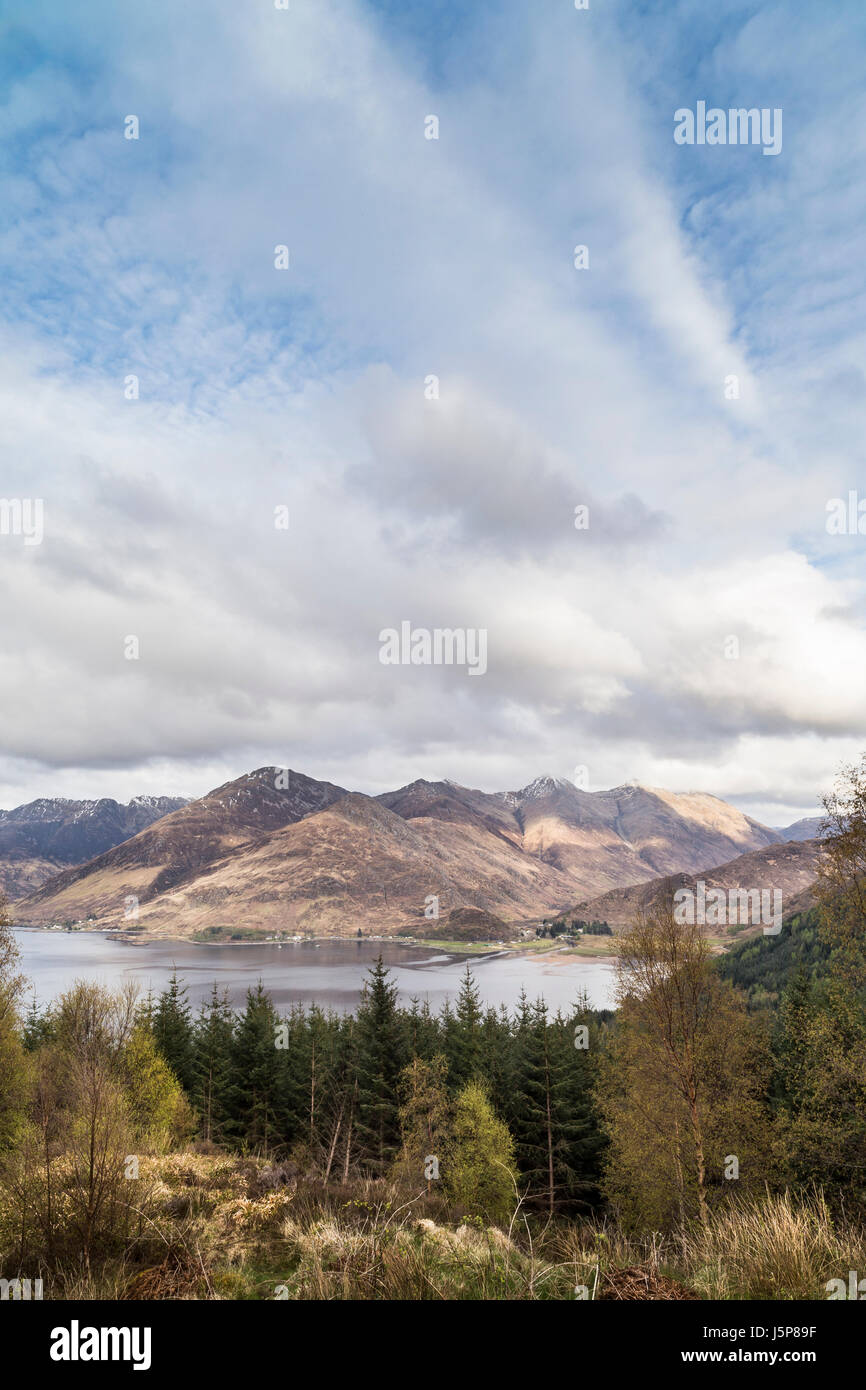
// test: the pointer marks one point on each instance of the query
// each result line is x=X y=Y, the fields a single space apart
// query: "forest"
x=710 y=1132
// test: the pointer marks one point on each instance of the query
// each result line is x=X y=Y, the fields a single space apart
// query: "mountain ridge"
x=278 y=850
x=42 y=837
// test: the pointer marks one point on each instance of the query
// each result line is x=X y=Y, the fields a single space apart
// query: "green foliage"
x=213 y=1036
x=381 y=1056
x=478 y=1168
x=172 y=1031
x=12 y=1058
x=463 y=1039
x=552 y=1109
x=255 y=1073
x=158 y=1110
x=425 y=1118
x=762 y=965
x=683 y=1083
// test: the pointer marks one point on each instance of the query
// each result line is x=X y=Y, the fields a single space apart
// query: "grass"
x=219 y=1226
x=780 y=1249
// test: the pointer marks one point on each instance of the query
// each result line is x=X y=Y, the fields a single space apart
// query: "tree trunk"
x=333 y=1149
x=700 y=1164
x=349 y=1135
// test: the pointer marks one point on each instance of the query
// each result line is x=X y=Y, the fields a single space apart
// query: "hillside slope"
x=43 y=837
x=312 y=857
x=789 y=868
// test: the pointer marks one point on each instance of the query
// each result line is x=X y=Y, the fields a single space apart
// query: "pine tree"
x=578 y=1140
x=212 y=1063
x=309 y=1067
x=422 y=1030
x=172 y=1031
x=145 y=1014
x=294 y=1078
x=463 y=1039
x=382 y=1055
x=255 y=1089
x=552 y=1110
x=38 y=1026
x=531 y=1102
x=496 y=1064
x=342 y=1142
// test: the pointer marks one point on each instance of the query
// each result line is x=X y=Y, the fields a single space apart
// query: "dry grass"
x=217 y=1226
x=778 y=1249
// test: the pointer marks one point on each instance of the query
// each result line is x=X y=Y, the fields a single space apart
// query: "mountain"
x=310 y=856
x=807 y=829
x=595 y=839
x=45 y=836
x=790 y=867
x=605 y=839
x=354 y=864
x=181 y=845
x=446 y=801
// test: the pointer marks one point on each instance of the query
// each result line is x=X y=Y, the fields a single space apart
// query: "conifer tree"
x=464 y=1035
x=38 y=1027
x=343 y=1125
x=212 y=1065
x=382 y=1055
x=422 y=1030
x=145 y=1013
x=172 y=1030
x=255 y=1072
x=309 y=1064
x=496 y=1063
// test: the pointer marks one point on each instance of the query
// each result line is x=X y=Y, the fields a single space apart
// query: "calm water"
x=328 y=973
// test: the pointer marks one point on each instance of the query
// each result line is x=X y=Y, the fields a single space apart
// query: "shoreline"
x=543 y=948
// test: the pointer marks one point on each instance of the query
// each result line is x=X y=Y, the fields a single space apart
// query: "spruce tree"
x=552 y=1110
x=464 y=1037
x=422 y=1031
x=255 y=1072
x=212 y=1063
x=382 y=1055
x=38 y=1026
x=496 y=1061
x=172 y=1031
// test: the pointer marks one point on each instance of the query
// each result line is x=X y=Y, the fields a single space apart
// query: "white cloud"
x=558 y=387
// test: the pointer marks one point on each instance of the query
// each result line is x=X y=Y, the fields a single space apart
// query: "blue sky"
x=155 y=258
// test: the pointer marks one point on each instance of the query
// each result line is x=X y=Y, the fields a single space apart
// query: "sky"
x=249 y=470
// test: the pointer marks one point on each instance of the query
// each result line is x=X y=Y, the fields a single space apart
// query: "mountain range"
x=282 y=852
x=45 y=836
